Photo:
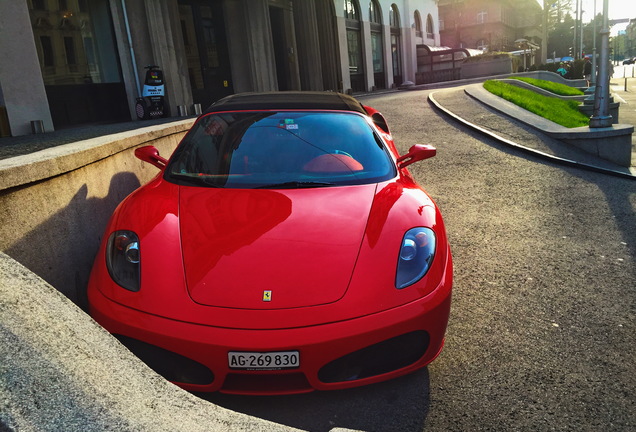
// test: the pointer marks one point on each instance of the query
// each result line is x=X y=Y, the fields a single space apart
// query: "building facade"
x=76 y=62
x=491 y=25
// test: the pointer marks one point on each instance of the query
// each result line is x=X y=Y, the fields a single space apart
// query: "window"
x=418 y=24
x=430 y=30
x=354 y=46
x=76 y=46
x=184 y=33
x=351 y=10
x=69 y=49
x=482 y=17
x=39 y=4
x=376 y=52
x=48 y=58
x=396 y=45
x=394 y=17
x=377 y=46
x=375 y=15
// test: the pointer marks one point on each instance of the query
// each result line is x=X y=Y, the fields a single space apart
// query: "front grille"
x=170 y=365
x=383 y=357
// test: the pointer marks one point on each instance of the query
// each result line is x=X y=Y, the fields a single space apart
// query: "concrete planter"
x=588 y=110
x=498 y=66
x=612 y=144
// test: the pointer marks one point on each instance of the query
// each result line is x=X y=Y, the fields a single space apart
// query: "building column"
x=388 y=55
x=308 y=45
x=367 y=55
x=410 y=54
x=344 y=53
x=329 y=48
x=260 y=48
x=22 y=90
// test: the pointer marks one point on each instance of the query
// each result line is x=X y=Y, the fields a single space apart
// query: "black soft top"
x=287 y=100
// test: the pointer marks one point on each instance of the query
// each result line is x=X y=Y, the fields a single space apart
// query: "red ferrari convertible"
x=283 y=248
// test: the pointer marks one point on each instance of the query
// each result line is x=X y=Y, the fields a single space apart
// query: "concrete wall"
x=54 y=204
x=60 y=371
x=486 y=68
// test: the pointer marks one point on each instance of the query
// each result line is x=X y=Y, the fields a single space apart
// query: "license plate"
x=263 y=360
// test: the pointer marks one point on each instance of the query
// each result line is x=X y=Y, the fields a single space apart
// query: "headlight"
x=416 y=255
x=123 y=259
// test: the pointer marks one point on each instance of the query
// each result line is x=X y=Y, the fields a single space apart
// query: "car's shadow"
x=401 y=405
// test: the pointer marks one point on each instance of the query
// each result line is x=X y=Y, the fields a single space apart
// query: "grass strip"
x=563 y=112
x=552 y=87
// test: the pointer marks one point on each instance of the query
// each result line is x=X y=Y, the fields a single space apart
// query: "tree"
x=588 y=34
x=557 y=10
x=618 y=45
x=561 y=37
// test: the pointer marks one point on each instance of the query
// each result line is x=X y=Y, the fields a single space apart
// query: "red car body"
x=277 y=289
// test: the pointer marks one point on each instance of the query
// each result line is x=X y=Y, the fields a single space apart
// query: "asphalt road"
x=541 y=335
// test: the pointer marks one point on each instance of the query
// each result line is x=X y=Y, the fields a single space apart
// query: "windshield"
x=287 y=149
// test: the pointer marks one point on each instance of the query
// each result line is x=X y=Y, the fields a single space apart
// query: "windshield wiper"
x=195 y=179
x=295 y=185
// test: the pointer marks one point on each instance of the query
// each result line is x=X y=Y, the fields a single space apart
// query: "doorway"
x=205 y=42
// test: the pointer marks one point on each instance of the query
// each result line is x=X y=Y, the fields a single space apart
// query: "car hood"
x=271 y=249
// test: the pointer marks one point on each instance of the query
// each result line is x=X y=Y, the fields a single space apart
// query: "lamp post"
x=593 y=78
x=601 y=117
x=591 y=90
x=581 y=29
x=574 y=47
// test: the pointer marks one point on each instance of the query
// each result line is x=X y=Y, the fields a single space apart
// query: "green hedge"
x=576 y=68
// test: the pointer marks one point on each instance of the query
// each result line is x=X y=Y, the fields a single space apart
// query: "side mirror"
x=150 y=154
x=416 y=153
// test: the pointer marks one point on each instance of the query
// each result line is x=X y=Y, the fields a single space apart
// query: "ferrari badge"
x=267 y=296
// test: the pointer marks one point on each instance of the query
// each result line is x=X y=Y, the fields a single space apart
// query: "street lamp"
x=593 y=80
x=580 y=52
x=575 y=28
x=601 y=117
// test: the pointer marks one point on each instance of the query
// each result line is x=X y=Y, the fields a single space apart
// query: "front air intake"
x=378 y=359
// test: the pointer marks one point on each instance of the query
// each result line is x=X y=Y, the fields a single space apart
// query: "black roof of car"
x=287 y=100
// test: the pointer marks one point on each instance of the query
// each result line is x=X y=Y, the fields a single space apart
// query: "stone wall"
x=54 y=204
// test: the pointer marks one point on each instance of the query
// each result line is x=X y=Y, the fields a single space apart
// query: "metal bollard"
x=197 y=109
x=183 y=110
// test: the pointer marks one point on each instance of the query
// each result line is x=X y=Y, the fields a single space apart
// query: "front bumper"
x=333 y=356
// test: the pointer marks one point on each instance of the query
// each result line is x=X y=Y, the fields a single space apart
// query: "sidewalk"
x=25 y=144
x=624 y=91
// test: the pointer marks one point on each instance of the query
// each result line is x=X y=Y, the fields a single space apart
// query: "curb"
x=538 y=153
